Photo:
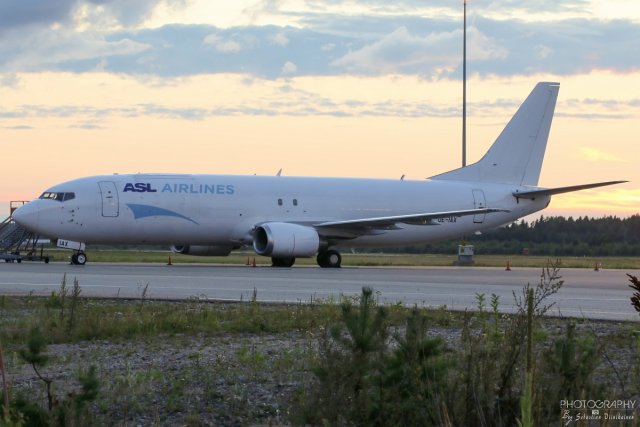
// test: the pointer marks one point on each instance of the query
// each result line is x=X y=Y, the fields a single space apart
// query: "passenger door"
x=109 y=193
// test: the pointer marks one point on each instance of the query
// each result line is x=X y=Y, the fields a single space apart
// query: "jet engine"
x=201 y=250
x=285 y=240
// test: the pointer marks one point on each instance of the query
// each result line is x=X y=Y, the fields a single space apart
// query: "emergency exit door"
x=479 y=202
x=109 y=194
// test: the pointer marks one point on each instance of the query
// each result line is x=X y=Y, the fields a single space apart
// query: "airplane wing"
x=374 y=225
x=559 y=190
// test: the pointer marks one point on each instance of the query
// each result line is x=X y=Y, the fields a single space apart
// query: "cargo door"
x=109 y=193
x=479 y=202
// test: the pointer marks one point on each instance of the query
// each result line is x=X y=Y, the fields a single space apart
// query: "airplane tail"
x=516 y=156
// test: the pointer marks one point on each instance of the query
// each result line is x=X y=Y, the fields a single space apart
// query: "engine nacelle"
x=284 y=240
x=201 y=250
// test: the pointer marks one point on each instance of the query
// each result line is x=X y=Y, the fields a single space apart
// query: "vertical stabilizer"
x=516 y=156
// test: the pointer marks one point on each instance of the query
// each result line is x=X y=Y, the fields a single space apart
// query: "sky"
x=315 y=88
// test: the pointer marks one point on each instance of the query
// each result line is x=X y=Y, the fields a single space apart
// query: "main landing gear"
x=282 y=262
x=325 y=259
x=79 y=258
x=329 y=259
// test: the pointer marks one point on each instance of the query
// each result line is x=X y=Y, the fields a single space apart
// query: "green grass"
x=364 y=260
x=121 y=319
x=213 y=382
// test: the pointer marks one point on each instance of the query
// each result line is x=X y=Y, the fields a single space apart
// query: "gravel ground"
x=178 y=380
x=227 y=380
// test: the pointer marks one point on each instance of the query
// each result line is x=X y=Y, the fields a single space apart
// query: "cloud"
x=9 y=80
x=543 y=52
x=289 y=68
x=301 y=13
x=19 y=127
x=15 y=14
x=87 y=126
x=596 y=155
x=600 y=108
x=222 y=45
x=279 y=39
x=125 y=12
x=372 y=41
x=623 y=200
x=481 y=47
x=76 y=13
x=47 y=50
x=296 y=103
x=401 y=50
x=288 y=96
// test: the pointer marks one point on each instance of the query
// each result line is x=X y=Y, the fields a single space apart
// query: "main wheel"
x=282 y=262
x=329 y=259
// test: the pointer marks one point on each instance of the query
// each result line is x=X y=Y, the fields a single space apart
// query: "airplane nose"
x=27 y=215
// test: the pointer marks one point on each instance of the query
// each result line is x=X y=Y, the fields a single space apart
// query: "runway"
x=586 y=293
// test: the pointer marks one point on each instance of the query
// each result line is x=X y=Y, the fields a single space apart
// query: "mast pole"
x=464 y=88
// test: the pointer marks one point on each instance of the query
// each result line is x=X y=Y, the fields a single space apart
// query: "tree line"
x=550 y=236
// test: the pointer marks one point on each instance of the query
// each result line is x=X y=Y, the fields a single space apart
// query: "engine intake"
x=201 y=250
x=282 y=240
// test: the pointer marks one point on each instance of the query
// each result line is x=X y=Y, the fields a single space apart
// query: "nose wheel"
x=79 y=258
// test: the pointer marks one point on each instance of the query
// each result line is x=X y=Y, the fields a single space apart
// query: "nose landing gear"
x=78 y=257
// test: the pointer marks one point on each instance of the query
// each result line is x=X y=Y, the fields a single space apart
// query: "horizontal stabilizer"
x=559 y=190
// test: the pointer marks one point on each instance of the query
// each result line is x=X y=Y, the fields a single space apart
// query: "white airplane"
x=295 y=217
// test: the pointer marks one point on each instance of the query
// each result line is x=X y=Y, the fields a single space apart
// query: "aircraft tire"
x=282 y=262
x=329 y=259
x=81 y=258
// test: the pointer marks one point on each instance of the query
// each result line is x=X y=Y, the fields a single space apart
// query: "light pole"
x=464 y=88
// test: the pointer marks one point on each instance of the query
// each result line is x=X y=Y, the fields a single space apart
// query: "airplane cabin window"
x=279 y=202
x=295 y=202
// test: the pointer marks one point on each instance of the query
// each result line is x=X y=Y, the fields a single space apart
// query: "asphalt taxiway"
x=586 y=293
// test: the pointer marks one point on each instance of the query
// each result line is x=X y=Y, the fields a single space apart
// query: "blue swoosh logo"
x=144 y=211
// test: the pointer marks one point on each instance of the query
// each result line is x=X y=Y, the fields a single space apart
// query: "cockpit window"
x=61 y=197
x=52 y=196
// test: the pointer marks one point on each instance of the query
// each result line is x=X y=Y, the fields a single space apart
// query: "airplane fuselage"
x=223 y=209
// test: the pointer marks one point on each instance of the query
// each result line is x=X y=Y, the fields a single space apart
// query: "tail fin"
x=516 y=156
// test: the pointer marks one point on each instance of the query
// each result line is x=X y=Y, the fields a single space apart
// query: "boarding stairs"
x=18 y=244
